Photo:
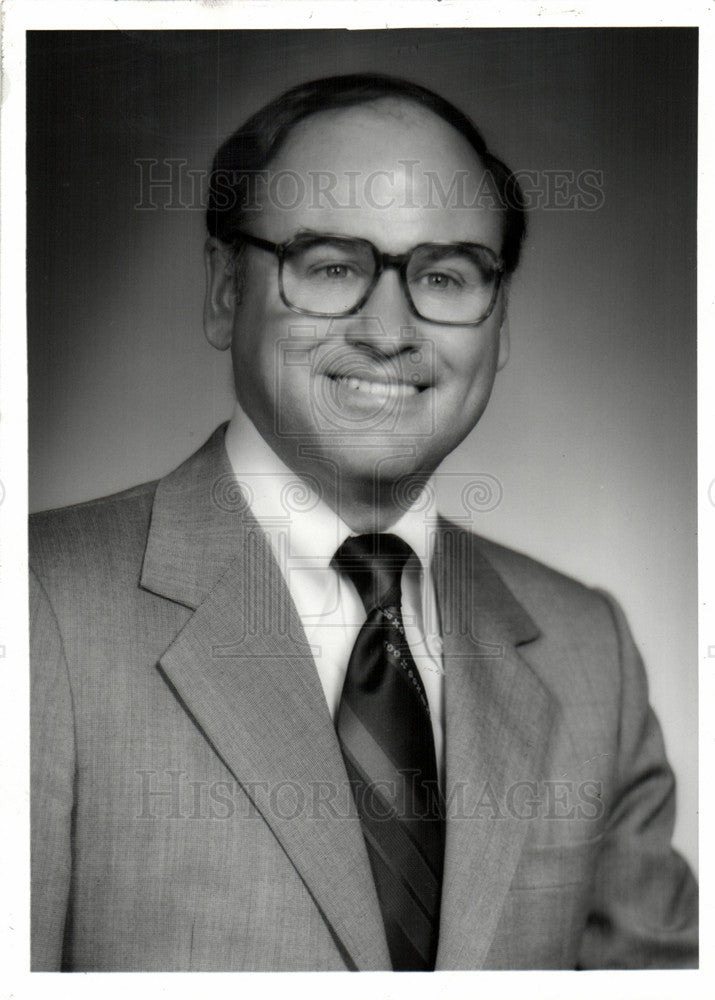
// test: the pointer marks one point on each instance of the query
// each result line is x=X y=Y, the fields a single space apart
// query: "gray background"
x=590 y=433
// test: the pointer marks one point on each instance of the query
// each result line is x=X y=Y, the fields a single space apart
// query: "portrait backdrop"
x=586 y=456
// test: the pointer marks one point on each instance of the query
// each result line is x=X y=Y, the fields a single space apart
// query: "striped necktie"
x=385 y=733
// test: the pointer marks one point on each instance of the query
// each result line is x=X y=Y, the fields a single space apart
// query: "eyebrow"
x=352 y=236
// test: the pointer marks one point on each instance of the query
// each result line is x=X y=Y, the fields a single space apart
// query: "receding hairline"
x=400 y=107
x=260 y=140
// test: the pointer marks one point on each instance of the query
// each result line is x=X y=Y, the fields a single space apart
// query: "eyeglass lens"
x=330 y=276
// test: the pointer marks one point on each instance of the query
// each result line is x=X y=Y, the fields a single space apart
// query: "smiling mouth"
x=378 y=388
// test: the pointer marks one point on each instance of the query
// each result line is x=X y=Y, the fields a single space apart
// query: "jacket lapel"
x=244 y=671
x=498 y=717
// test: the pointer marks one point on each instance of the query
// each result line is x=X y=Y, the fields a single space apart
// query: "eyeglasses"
x=455 y=284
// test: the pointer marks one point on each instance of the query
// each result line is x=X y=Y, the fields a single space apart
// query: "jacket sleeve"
x=644 y=913
x=51 y=783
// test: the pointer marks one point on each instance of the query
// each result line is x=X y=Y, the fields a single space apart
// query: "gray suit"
x=189 y=800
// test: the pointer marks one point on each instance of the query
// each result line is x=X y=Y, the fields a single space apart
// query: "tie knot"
x=374 y=563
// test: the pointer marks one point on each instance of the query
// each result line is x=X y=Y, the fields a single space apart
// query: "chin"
x=378 y=465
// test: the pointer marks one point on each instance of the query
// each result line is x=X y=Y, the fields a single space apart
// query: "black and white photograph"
x=363 y=501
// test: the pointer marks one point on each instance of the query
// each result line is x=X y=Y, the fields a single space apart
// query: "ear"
x=504 y=339
x=221 y=294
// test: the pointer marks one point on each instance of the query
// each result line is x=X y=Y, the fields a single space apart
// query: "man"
x=286 y=718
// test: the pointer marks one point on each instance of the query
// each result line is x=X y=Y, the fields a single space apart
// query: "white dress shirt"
x=305 y=533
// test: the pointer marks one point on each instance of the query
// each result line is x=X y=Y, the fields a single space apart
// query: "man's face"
x=375 y=396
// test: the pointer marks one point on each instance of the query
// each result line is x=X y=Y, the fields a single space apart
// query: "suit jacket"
x=190 y=807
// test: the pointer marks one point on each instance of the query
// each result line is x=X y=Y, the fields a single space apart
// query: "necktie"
x=385 y=733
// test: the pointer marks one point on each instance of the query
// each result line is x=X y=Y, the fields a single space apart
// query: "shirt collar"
x=295 y=517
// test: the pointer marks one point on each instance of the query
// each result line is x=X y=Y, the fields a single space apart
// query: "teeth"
x=383 y=389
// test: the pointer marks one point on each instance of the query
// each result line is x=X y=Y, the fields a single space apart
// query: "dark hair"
x=252 y=147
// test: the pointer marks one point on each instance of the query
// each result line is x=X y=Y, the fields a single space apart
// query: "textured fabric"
x=305 y=533
x=190 y=805
x=385 y=735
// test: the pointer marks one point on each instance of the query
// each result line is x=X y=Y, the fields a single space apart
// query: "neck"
x=364 y=517
x=370 y=501
x=370 y=504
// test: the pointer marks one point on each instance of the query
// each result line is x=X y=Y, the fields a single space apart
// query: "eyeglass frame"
x=383 y=262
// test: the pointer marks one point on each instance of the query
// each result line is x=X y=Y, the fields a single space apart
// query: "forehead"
x=388 y=171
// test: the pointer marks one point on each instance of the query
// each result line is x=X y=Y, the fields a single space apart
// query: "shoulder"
x=581 y=646
x=524 y=570
x=107 y=531
x=549 y=596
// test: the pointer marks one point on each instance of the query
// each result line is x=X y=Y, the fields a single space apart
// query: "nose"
x=385 y=323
